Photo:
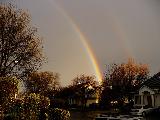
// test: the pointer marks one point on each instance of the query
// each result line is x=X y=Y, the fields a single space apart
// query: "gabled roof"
x=153 y=82
x=146 y=88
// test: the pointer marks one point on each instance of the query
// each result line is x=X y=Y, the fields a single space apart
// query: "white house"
x=149 y=93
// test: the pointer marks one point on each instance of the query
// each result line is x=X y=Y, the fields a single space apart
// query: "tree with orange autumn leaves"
x=123 y=80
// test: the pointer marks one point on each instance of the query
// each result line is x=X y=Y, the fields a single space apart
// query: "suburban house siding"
x=149 y=93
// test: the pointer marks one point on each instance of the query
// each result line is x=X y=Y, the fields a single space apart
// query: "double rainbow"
x=120 y=33
x=84 y=41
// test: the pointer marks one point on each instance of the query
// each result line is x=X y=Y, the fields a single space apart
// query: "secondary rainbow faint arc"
x=84 y=41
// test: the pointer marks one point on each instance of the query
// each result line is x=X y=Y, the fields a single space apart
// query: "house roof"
x=153 y=82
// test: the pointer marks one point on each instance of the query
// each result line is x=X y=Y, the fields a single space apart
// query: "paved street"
x=90 y=115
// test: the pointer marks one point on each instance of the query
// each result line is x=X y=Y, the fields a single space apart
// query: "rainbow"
x=91 y=55
x=84 y=41
x=120 y=33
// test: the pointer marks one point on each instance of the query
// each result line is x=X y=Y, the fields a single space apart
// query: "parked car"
x=141 y=110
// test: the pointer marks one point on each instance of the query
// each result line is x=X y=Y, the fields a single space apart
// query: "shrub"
x=34 y=107
x=31 y=107
x=59 y=114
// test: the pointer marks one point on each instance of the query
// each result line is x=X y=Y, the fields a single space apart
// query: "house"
x=88 y=100
x=78 y=96
x=149 y=93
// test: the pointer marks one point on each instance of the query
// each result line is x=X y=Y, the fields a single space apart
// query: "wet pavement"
x=91 y=115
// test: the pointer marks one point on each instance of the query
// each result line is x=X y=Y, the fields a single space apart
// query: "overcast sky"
x=115 y=30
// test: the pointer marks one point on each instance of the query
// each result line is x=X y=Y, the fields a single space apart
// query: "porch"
x=147 y=97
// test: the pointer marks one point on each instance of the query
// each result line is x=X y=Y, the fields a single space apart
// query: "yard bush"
x=31 y=107
x=34 y=107
x=59 y=114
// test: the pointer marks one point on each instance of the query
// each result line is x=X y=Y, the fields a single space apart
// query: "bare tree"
x=20 y=45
